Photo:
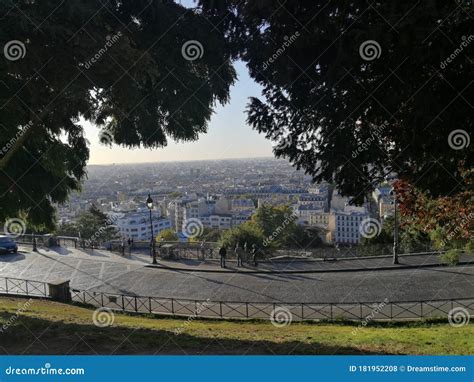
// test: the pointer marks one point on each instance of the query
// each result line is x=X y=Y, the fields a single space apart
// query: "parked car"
x=7 y=245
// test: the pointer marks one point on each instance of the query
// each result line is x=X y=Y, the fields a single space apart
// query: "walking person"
x=238 y=254
x=223 y=254
x=129 y=242
x=246 y=254
x=122 y=246
x=203 y=250
x=254 y=254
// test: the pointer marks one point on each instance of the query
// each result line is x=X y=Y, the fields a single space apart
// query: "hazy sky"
x=228 y=135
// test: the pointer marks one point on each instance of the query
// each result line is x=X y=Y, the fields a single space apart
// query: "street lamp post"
x=395 y=227
x=149 y=204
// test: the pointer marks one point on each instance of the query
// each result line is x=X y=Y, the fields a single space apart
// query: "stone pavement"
x=111 y=273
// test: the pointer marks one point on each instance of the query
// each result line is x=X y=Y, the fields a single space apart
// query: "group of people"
x=130 y=245
x=239 y=254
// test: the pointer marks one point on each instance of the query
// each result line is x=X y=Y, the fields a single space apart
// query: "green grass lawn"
x=45 y=327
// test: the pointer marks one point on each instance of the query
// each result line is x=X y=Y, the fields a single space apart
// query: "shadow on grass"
x=37 y=336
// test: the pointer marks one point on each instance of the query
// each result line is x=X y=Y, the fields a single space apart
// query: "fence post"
x=102 y=299
x=421 y=309
x=247 y=309
x=6 y=284
x=360 y=306
x=391 y=310
x=26 y=287
x=302 y=311
x=195 y=308
x=60 y=291
x=172 y=307
x=330 y=305
x=149 y=304
x=136 y=309
x=123 y=304
x=220 y=308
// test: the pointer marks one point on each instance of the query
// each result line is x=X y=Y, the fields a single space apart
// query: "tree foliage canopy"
x=272 y=228
x=93 y=226
x=167 y=235
x=354 y=90
x=119 y=65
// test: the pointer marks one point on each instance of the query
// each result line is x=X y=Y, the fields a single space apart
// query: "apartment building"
x=343 y=225
x=136 y=225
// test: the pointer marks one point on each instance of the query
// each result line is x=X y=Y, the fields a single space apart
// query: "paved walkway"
x=111 y=273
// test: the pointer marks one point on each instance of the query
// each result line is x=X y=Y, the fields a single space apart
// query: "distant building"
x=273 y=200
x=241 y=217
x=242 y=204
x=319 y=219
x=136 y=225
x=304 y=212
x=384 y=201
x=318 y=201
x=343 y=225
x=321 y=188
x=217 y=221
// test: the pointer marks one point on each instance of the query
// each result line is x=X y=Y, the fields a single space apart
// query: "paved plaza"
x=111 y=273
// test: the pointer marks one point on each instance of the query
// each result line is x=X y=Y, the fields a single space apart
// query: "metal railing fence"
x=357 y=311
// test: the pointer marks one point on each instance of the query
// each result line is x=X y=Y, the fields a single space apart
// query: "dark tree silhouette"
x=353 y=90
x=132 y=67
